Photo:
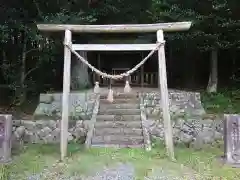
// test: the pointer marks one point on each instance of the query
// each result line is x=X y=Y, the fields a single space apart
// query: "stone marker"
x=232 y=140
x=5 y=138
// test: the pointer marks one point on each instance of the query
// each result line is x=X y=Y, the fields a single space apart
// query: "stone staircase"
x=118 y=124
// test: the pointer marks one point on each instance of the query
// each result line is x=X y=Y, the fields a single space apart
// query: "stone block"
x=185 y=138
x=46 y=98
x=70 y=137
x=40 y=124
x=231 y=139
x=30 y=137
x=52 y=124
x=56 y=133
x=79 y=124
x=49 y=139
x=43 y=110
x=5 y=138
x=44 y=132
x=29 y=125
x=56 y=107
x=79 y=133
x=19 y=132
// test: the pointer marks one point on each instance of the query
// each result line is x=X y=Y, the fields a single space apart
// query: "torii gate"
x=126 y=28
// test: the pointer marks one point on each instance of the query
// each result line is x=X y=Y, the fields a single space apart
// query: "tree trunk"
x=3 y=66
x=213 y=77
x=80 y=77
x=234 y=69
x=21 y=92
x=189 y=67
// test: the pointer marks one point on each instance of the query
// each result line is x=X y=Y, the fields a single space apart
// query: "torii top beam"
x=117 y=28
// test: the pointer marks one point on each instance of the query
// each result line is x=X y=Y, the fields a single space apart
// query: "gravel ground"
x=119 y=172
x=163 y=174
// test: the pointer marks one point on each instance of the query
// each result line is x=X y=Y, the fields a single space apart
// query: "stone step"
x=115 y=139
x=121 y=95
x=118 y=124
x=118 y=117
x=119 y=111
x=118 y=131
x=120 y=106
x=117 y=145
x=120 y=101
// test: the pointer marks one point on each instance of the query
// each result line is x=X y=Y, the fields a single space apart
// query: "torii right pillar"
x=164 y=97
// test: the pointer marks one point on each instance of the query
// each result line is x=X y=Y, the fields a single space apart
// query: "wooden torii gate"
x=126 y=28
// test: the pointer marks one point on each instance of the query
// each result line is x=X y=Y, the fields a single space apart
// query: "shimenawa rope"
x=127 y=87
x=122 y=75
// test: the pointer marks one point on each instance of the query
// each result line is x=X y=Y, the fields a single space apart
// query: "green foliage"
x=4 y=172
x=69 y=18
x=215 y=23
x=224 y=101
x=121 y=11
x=32 y=50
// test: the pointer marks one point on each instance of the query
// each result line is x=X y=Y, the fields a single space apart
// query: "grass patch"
x=222 y=102
x=32 y=160
x=203 y=165
x=206 y=164
x=4 y=172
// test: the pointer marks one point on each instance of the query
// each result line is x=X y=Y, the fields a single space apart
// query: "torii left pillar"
x=65 y=96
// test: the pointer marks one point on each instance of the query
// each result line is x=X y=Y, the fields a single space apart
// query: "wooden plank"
x=164 y=97
x=117 y=28
x=113 y=47
x=66 y=91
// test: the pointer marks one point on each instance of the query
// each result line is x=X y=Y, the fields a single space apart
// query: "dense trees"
x=215 y=28
x=25 y=53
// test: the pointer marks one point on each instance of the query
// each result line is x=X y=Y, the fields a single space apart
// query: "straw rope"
x=119 y=76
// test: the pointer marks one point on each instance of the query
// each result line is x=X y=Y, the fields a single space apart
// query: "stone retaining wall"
x=180 y=103
x=80 y=105
x=193 y=131
x=47 y=131
x=190 y=125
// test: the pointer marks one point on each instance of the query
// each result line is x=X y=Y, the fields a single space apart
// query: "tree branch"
x=31 y=50
x=38 y=9
x=31 y=70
